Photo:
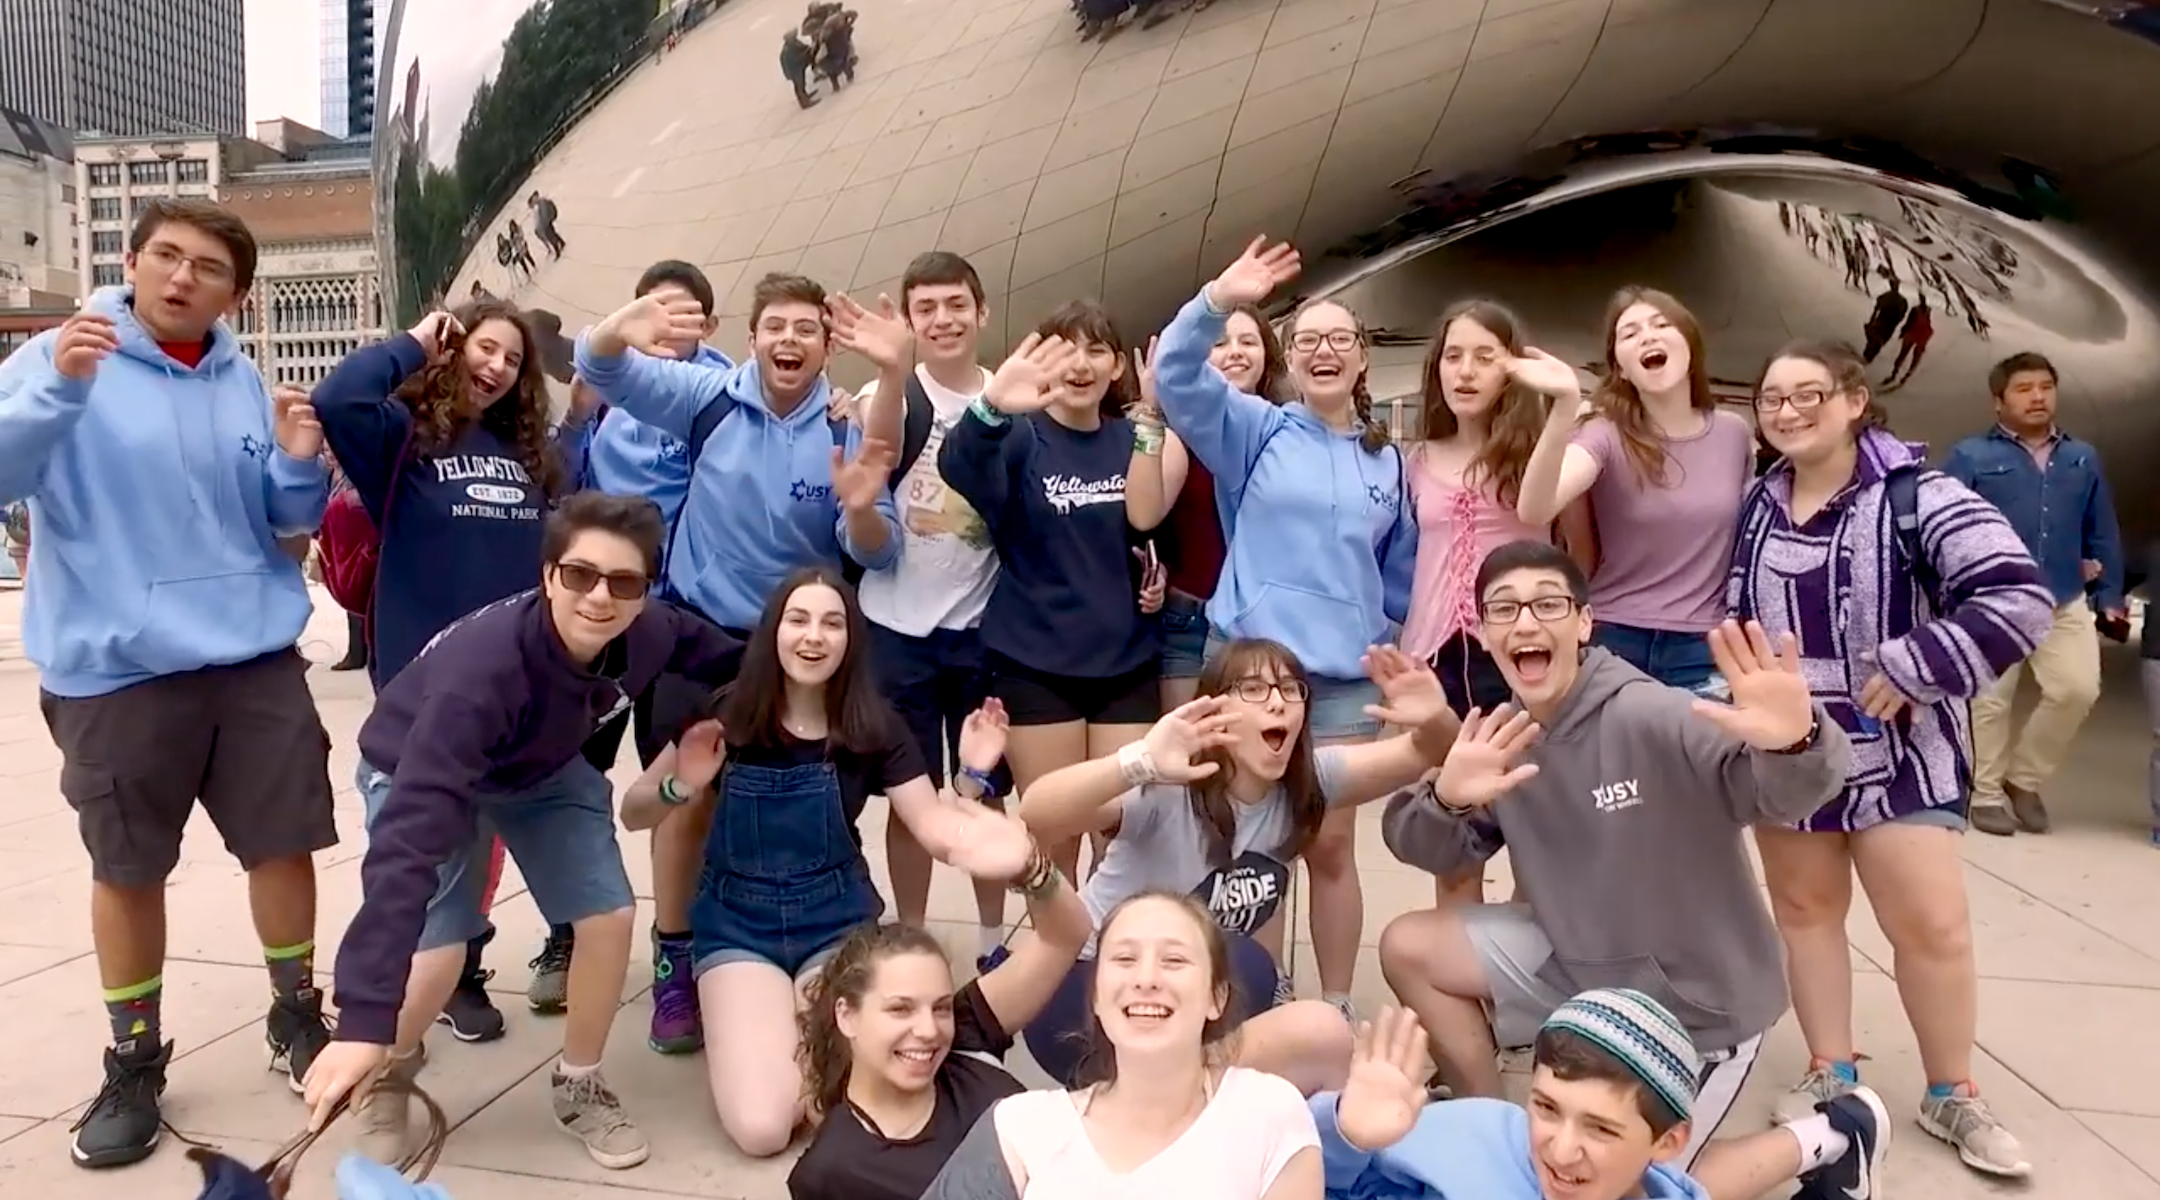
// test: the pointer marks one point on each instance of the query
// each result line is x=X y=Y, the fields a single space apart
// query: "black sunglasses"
x=623 y=585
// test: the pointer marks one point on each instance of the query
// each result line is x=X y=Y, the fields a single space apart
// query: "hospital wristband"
x=1136 y=766
x=986 y=788
x=671 y=793
x=1147 y=437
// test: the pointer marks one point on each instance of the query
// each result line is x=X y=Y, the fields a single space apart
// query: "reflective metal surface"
x=1996 y=156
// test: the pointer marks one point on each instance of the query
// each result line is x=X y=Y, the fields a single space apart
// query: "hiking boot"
x=471 y=1013
x=1992 y=818
x=296 y=1031
x=1964 y=1120
x=1860 y=1115
x=122 y=1125
x=386 y=1115
x=1821 y=1085
x=550 y=987
x=586 y=1109
x=677 y=1025
x=2031 y=813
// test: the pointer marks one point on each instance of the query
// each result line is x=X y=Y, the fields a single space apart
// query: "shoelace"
x=596 y=1100
x=129 y=1086
x=553 y=956
x=477 y=981
x=1968 y=1113
x=676 y=1003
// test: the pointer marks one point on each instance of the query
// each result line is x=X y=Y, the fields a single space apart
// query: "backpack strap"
x=702 y=427
x=1903 y=491
x=916 y=435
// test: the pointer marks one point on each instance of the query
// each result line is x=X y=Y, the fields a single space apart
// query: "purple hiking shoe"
x=677 y=1025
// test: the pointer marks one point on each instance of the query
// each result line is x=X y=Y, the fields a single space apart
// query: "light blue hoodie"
x=630 y=458
x=1458 y=1150
x=762 y=504
x=158 y=493
x=1322 y=538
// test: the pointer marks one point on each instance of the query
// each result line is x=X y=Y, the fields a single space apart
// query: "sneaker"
x=587 y=1110
x=549 y=991
x=677 y=1025
x=991 y=961
x=386 y=1115
x=297 y=1031
x=1818 y=1087
x=1861 y=1116
x=122 y=1125
x=471 y=1014
x=1964 y=1120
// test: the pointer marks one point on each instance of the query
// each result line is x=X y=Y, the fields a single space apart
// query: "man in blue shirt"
x=2050 y=486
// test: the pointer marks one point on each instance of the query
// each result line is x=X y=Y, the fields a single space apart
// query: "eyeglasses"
x=1253 y=690
x=1802 y=401
x=623 y=585
x=1543 y=608
x=169 y=258
x=1341 y=341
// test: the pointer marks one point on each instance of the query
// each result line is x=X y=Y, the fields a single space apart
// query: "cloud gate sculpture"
x=1778 y=164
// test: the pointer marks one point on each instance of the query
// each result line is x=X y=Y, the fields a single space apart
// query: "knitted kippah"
x=1642 y=1035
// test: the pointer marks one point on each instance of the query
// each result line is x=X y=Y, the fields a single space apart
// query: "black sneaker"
x=1861 y=1116
x=297 y=1031
x=122 y=1125
x=470 y=1014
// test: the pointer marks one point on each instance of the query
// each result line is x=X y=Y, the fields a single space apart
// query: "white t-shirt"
x=946 y=566
x=1250 y=1130
x=1161 y=843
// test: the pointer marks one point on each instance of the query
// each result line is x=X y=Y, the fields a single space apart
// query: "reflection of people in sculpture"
x=519 y=250
x=795 y=62
x=544 y=214
x=1913 y=343
x=1889 y=310
x=836 y=47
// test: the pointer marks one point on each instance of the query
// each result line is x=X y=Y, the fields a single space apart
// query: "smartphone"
x=1154 y=564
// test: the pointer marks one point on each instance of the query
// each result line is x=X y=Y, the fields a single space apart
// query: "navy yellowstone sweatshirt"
x=464 y=521
x=493 y=705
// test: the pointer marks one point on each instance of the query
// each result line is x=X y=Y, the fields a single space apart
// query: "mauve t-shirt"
x=1664 y=550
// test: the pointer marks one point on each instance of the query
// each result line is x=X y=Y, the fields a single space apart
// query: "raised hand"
x=982 y=736
x=991 y=844
x=436 y=332
x=1258 y=271
x=655 y=321
x=858 y=482
x=882 y=336
x=1380 y=1103
x=1543 y=373
x=1410 y=694
x=299 y=433
x=699 y=752
x=1143 y=362
x=1481 y=766
x=1771 y=707
x=1028 y=378
x=1176 y=742
x=86 y=339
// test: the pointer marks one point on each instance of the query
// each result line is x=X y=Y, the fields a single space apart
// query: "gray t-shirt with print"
x=1161 y=844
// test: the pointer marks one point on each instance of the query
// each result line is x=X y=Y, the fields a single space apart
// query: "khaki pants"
x=2066 y=665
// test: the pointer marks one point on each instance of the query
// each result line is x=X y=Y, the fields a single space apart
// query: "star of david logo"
x=253 y=446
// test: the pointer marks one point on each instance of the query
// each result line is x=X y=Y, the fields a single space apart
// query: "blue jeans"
x=1061 y=1037
x=561 y=834
x=1675 y=659
x=1184 y=636
x=784 y=882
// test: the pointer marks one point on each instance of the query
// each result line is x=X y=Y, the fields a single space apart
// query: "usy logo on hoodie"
x=1617 y=795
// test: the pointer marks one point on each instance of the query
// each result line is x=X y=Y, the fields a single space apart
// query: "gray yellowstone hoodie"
x=1628 y=847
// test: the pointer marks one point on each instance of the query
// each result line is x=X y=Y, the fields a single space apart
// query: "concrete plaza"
x=2069 y=954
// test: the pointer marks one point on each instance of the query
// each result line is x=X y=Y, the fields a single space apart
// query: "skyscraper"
x=348 y=67
x=126 y=67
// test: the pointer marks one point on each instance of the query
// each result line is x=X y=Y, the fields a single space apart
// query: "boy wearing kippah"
x=1607 y=1118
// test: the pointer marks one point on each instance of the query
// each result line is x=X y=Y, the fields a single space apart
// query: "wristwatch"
x=1814 y=731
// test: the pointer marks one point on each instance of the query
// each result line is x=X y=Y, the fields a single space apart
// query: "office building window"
x=104 y=174
x=104 y=208
x=107 y=275
x=67 y=193
x=194 y=170
x=142 y=173
x=105 y=241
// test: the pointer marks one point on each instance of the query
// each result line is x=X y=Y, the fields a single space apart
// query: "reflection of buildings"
x=137 y=67
x=37 y=216
x=348 y=68
x=312 y=208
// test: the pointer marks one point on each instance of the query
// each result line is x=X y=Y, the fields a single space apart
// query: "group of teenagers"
x=1185 y=607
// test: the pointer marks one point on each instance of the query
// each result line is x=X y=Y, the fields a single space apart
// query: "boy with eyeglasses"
x=1623 y=804
x=482 y=736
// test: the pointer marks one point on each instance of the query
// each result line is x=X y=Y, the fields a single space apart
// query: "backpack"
x=352 y=545
x=1902 y=494
x=702 y=427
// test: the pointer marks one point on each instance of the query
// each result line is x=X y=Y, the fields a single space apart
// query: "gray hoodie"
x=1628 y=847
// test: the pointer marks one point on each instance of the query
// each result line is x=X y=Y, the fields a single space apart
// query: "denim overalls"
x=784 y=881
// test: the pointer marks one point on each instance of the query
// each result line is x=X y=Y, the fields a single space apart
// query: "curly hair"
x=825 y=1056
x=439 y=396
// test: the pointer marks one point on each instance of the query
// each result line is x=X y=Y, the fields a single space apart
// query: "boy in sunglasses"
x=482 y=736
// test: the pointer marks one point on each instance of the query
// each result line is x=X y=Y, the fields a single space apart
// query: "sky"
x=284 y=60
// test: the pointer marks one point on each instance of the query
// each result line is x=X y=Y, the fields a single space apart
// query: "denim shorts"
x=1184 y=636
x=1673 y=658
x=561 y=834
x=1336 y=711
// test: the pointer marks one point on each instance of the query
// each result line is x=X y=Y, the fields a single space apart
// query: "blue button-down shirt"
x=2062 y=510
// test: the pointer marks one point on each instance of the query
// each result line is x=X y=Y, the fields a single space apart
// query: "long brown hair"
x=1376 y=435
x=1616 y=399
x=1517 y=417
x=440 y=396
x=1084 y=321
x=857 y=719
x=1098 y=1062
x=1274 y=378
x=825 y=1056
x=1249 y=658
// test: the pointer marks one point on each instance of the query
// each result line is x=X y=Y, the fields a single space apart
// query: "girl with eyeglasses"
x=1663 y=469
x=1909 y=595
x=773 y=784
x=1322 y=540
x=1219 y=801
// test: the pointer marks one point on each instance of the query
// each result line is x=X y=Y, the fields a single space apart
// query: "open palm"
x=982 y=736
x=654 y=322
x=1410 y=693
x=1482 y=765
x=1771 y=707
x=1544 y=374
x=991 y=845
x=880 y=335
x=1380 y=1103
x=859 y=481
x=1025 y=381
x=1186 y=732
x=698 y=755
x=1257 y=272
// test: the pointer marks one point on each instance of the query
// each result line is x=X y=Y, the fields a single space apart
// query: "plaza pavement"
x=2069 y=954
